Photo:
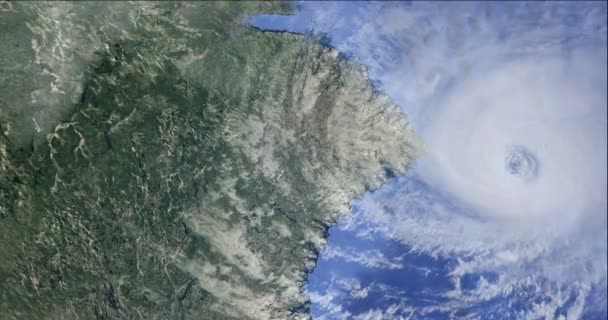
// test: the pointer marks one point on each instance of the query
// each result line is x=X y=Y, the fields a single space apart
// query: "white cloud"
x=393 y=312
x=340 y=293
x=332 y=309
x=375 y=314
x=367 y=258
x=510 y=99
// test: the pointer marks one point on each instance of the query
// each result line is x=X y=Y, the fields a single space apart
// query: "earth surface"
x=487 y=224
x=303 y=160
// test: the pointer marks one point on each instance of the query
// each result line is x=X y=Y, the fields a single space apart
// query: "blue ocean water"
x=396 y=255
x=387 y=272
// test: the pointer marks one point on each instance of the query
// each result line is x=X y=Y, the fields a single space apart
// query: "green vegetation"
x=165 y=161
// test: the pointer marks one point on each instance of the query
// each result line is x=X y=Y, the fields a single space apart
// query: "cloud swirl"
x=510 y=100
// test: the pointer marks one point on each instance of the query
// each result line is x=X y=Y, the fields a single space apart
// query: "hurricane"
x=523 y=142
x=515 y=175
x=520 y=151
x=508 y=195
x=514 y=128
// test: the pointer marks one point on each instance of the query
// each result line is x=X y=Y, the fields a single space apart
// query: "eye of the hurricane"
x=521 y=163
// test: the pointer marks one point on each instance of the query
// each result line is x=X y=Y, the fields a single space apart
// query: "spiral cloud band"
x=524 y=141
x=509 y=99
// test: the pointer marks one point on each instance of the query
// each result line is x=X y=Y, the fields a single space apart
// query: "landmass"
x=163 y=160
